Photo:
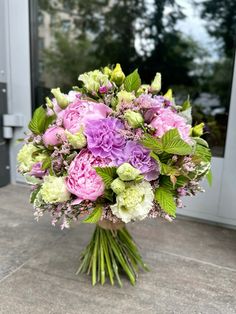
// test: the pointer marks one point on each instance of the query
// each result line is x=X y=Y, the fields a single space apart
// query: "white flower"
x=134 y=203
x=54 y=190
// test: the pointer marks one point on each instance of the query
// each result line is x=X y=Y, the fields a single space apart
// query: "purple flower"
x=104 y=137
x=139 y=157
x=37 y=170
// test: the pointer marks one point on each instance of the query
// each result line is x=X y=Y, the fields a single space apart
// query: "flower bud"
x=197 y=130
x=126 y=172
x=117 y=186
x=118 y=75
x=156 y=84
x=135 y=119
x=77 y=140
x=107 y=71
x=49 y=102
x=61 y=99
x=168 y=95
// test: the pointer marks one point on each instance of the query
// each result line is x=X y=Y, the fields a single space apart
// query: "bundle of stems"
x=109 y=253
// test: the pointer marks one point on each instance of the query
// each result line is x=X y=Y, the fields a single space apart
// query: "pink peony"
x=166 y=119
x=81 y=111
x=54 y=136
x=82 y=180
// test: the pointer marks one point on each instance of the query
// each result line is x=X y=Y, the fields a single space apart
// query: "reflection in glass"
x=190 y=42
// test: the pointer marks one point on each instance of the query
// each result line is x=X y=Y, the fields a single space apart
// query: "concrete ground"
x=193 y=266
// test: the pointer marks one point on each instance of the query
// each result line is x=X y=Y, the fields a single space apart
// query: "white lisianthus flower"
x=93 y=80
x=24 y=157
x=54 y=190
x=77 y=140
x=134 y=203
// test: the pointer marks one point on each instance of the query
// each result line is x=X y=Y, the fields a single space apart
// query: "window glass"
x=191 y=42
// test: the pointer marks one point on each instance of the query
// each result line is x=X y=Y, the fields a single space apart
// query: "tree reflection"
x=143 y=34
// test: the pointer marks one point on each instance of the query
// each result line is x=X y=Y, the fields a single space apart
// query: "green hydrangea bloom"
x=54 y=190
x=134 y=203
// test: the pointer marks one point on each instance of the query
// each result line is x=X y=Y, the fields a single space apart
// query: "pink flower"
x=82 y=180
x=166 y=119
x=81 y=111
x=54 y=136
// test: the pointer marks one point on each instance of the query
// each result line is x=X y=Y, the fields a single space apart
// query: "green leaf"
x=40 y=121
x=46 y=163
x=202 y=153
x=37 y=123
x=34 y=194
x=209 y=177
x=108 y=194
x=132 y=82
x=166 y=201
x=169 y=170
x=201 y=141
x=152 y=143
x=95 y=216
x=173 y=144
x=186 y=105
x=108 y=174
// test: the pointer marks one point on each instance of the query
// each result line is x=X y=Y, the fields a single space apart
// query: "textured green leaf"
x=34 y=194
x=40 y=121
x=201 y=141
x=165 y=199
x=169 y=170
x=173 y=144
x=202 y=153
x=108 y=174
x=32 y=180
x=152 y=143
x=37 y=123
x=132 y=82
x=95 y=216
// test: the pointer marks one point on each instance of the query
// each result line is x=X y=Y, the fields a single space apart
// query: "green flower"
x=61 y=99
x=135 y=119
x=117 y=186
x=126 y=172
x=124 y=96
x=197 y=130
x=25 y=158
x=54 y=190
x=156 y=84
x=77 y=140
x=117 y=75
x=93 y=80
x=134 y=203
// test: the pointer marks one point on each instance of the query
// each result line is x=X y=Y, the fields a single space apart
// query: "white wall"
x=18 y=70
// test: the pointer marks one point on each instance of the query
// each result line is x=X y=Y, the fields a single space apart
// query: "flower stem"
x=109 y=253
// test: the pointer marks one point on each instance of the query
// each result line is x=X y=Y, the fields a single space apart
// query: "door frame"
x=218 y=204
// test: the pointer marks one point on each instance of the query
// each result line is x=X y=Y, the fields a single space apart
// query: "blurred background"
x=46 y=44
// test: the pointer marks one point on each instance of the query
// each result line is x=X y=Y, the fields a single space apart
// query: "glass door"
x=192 y=43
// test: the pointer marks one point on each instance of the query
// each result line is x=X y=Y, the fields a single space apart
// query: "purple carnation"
x=139 y=157
x=104 y=137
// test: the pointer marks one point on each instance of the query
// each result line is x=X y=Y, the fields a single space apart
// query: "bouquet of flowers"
x=110 y=152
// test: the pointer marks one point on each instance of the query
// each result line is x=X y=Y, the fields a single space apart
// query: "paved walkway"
x=193 y=267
